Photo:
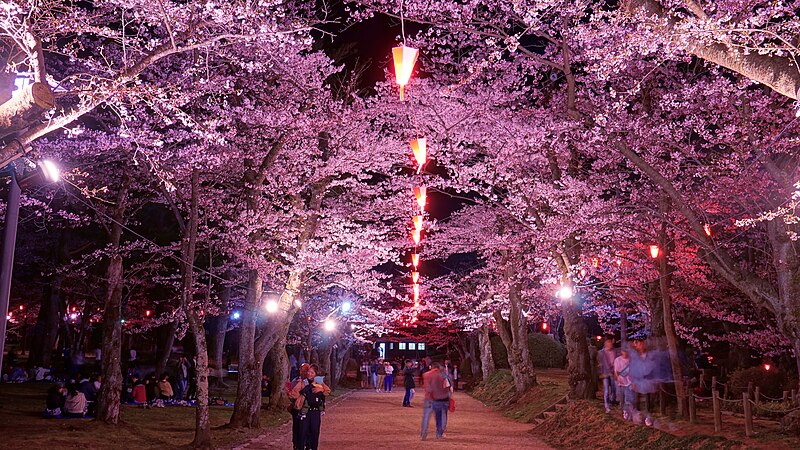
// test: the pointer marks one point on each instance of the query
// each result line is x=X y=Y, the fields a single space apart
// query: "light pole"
x=49 y=172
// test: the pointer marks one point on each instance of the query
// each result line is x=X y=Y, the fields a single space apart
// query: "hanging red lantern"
x=707 y=229
x=415 y=260
x=419 y=147
x=654 y=251
x=415 y=277
x=421 y=194
x=416 y=293
x=418 y=223
x=416 y=235
x=404 y=60
x=544 y=326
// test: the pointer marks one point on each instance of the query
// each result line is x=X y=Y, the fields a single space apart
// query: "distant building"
x=400 y=348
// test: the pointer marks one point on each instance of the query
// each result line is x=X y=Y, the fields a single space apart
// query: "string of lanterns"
x=405 y=58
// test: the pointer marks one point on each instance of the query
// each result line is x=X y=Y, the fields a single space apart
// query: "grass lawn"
x=22 y=425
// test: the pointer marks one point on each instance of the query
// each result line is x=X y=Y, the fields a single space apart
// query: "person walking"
x=622 y=375
x=381 y=375
x=437 y=400
x=643 y=367
x=388 y=382
x=310 y=402
x=183 y=378
x=408 y=382
x=605 y=364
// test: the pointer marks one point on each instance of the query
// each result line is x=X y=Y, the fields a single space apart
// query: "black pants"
x=296 y=431
x=309 y=430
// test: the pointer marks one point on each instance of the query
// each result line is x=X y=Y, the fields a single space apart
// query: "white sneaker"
x=625 y=415
x=648 y=421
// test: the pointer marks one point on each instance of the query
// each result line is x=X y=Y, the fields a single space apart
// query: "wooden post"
x=757 y=395
x=717 y=411
x=748 y=414
x=662 y=402
x=785 y=396
x=750 y=389
x=692 y=409
x=713 y=383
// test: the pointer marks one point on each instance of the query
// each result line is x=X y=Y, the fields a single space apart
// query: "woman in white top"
x=389 y=380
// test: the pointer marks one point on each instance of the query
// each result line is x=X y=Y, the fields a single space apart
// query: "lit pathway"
x=365 y=419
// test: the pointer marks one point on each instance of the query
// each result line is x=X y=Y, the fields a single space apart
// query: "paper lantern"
x=415 y=260
x=654 y=251
x=418 y=223
x=544 y=326
x=416 y=293
x=404 y=60
x=767 y=367
x=707 y=229
x=421 y=194
x=416 y=235
x=419 y=147
x=415 y=277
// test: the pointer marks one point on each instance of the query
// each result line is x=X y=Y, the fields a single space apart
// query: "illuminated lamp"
x=416 y=235
x=595 y=262
x=404 y=60
x=147 y=313
x=418 y=223
x=419 y=147
x=707 y=229
x=767 y=367
x=420 y=193
x=544 y=326
x=654 y=251
x=415 y=260
x=415 y=277
x=416 y=293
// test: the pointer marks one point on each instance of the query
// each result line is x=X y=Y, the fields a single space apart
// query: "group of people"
x=152 y=391
x=633 y=374
x=76 y=398
x=307 y=395
x=379 y=374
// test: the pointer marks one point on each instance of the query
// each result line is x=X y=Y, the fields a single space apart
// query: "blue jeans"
x=609 y=391
x=439 y=409
x=180 y=389
x=387 y=383
x=627 y=399
x=407 y=397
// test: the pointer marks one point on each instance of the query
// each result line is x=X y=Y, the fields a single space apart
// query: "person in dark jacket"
x=56 y=396
x=408 y=382
x=310 y=403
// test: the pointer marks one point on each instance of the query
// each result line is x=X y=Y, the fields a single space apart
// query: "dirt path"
x=364 y=419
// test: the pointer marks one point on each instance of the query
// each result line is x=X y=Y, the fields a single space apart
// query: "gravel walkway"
x=366 y=419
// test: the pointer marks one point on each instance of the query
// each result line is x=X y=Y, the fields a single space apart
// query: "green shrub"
x=771 y=382
x=545 y=352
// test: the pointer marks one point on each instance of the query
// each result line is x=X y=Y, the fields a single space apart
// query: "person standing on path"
x=381 y=375
x=373 y=374
x=408 y=382
x=364 y=374
x=389 y=380
x=437 y=400
x=310 y=401
x=622 y=374
x=605 y=362
x=293 y=389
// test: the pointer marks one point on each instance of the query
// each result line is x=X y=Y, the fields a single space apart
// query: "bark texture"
x=487 y=360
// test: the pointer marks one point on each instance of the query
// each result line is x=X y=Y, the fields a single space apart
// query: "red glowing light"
x=767 y=367
x=416 y=235
x=595 y=262
x=421 y=195
x=707 y=229
x=544 y=326
x=147 y=313
x=654 y=251
x=599 y=338
x=415 y=260
x=404 y=60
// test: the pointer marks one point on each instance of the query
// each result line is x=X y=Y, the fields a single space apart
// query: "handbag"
x=452 y=407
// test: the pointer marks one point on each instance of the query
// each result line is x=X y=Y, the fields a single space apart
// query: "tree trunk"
x=655 y=306
x=45 y=331
x=246 y=411
x=487 y=360
x=166 y=350
x=219 y=327
x=279 y=364
x=665 y=280
x=582 y=384
x=342 y=357
x=514 y=333
x=474 y=361
x=325 y=360
x=109 y=397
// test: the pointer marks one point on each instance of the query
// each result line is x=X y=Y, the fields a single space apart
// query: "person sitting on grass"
x=165 y=389
x=74 y=403
x=55 y=400
x=139 y=393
